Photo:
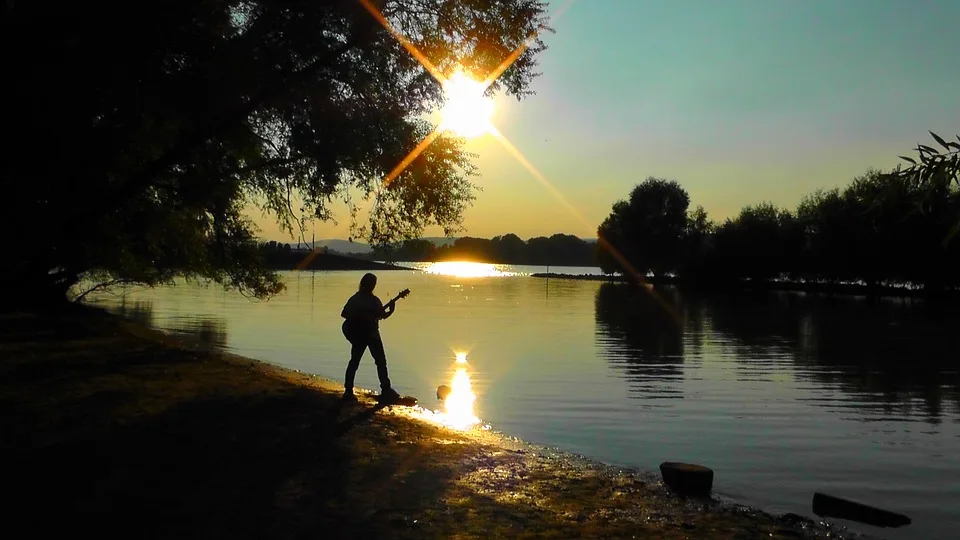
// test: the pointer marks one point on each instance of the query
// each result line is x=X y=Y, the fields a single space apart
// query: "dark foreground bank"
x=113 y=429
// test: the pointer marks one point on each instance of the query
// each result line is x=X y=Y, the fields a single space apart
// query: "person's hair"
x=368 y=282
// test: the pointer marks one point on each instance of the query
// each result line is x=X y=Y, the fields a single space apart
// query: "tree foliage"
x=882 y=227
x=935 y=173
x=649 y=229
x=761 y=243
x=141 y=132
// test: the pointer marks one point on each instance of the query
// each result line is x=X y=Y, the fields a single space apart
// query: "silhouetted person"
x=363 y=312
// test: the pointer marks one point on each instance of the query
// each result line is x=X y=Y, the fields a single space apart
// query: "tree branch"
x=100 y=286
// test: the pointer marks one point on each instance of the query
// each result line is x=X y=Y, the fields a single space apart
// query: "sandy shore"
x=121 y=431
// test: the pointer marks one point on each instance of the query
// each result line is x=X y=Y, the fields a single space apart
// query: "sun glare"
x=464 y=269
x=467 y=112
x=458 y=407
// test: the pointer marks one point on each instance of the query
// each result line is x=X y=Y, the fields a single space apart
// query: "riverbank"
x=747 y=286
x=112 y=428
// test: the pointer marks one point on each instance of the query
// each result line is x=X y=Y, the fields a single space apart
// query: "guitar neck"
x=398 y=297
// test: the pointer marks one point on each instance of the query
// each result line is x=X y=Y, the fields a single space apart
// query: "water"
x=782 y=394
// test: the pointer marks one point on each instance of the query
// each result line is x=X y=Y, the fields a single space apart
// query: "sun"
x=467 y=111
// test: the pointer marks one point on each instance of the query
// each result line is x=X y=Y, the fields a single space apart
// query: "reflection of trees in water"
x=641 y=338
x=897 y=355
x=765 y=324
x=208 y=333
x=563 y=289
x=205 y=332
x=140 y=311
x=891 y=353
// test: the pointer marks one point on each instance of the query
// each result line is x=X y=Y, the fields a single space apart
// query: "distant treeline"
x=279 y=256
x=879 y=229
x=559 y=249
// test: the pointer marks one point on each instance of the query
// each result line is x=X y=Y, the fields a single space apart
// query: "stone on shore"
x=687 y=478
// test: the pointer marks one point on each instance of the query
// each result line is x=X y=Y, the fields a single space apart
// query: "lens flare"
x=461 y=358
x=467 y=111
x=459 y=404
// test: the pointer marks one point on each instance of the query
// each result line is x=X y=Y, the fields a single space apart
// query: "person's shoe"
x=349 y=397
x=388 y=396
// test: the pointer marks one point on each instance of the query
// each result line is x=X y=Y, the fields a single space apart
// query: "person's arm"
x=388 y=310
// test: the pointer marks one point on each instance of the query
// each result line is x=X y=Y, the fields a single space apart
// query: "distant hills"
x=363 y=248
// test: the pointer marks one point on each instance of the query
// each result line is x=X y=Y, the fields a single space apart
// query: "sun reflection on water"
x=467 y=269
x=459 y=404
x=458 y=407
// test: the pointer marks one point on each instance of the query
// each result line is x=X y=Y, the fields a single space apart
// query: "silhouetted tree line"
x=274 y=247
x=885 y=227
x=558 y=249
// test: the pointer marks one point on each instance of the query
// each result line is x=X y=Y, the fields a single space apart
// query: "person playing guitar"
x=363 y=313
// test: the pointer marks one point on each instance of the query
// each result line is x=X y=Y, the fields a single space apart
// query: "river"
x=782 y=394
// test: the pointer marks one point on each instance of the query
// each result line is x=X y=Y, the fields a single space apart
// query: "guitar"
x=402 y=294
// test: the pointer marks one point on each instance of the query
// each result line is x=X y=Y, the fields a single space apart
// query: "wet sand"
x=122 y=431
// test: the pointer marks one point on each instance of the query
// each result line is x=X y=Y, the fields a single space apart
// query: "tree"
x=510 y=249
x=141 y=139
x=886 y=228
x=698 y=242
x=935 y=174
x=833 y=224
x=648 y=231
x=761 y=243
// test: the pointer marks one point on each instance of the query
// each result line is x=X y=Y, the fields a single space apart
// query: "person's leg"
x=380 y=359
x=356 y=353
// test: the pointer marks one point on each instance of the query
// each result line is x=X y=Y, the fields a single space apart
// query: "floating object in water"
x=829 y=506
x=443 y=391
x=687 y=478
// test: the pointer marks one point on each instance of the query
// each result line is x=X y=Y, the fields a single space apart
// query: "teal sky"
x=741 y=101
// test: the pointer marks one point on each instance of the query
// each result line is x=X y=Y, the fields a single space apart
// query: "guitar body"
x=355 y=331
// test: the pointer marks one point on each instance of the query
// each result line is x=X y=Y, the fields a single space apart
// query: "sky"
x=740 y=101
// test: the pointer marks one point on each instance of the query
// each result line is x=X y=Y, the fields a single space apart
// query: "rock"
x=793 y=519
x=829 y=506
x=687 y=478
x=443 y=391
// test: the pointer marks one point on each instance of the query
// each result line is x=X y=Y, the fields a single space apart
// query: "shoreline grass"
x=116 y=429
